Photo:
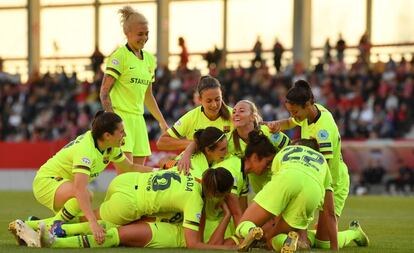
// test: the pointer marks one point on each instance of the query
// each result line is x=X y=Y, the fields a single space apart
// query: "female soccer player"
x=245 y=120
x=127 y=85
x=211 y=149
x=317 y=122
x=300 y=178
x=148 y=234
x=133 y=195
x=61 y=183
x=212 y=112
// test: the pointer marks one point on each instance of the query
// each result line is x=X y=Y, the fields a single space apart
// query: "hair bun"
x=256 y=136
x=302 y=83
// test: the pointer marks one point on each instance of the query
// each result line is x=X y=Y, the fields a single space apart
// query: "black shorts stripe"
x=176 y=133
x=114 y=70
x=326 y=152
x=82 y=167
x=245 y=192
x=192 y=223
x=118 y=156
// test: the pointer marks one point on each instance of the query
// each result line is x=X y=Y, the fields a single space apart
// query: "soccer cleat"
x=46 y=237
x=12 y=229
x=32 y=217
x=291 y=243
x=27 y=234
x=56 y=229
x=254 y=234
x=362 y=240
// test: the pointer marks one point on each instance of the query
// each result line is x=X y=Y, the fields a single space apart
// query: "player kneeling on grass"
x=300 y=180
x=133 y=195
x=61 y=183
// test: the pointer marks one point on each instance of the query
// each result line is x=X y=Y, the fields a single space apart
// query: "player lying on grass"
x=301 y=180
x=61 y=183
x=142 y=233
x=133 y=195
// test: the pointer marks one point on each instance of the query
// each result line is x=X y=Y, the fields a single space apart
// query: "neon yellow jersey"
x=279 y=141
x=199 y=165
x=257 y=182
x=236 y=167
x=80 y=156
x=133 y=76
x=169 y=192
x=326 y=132
x=189 y=123
x=306 y=160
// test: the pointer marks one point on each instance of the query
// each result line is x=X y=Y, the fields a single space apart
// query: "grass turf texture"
x=388 y=221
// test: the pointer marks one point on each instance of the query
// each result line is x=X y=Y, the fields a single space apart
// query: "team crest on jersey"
x=198 y=216
x=86 y=160
x=323 y=134
x=115 y=62
x=105 y=160
x=226 y=129
x=275 y=137
x=178 y=123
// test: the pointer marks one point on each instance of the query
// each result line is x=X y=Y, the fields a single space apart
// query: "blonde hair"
x=255 y=112
x=130 y=16
x=256 y=123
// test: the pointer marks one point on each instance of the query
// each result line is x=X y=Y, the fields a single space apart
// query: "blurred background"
x=358 y=56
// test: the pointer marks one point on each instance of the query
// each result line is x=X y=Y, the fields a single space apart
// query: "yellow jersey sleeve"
x=83 y=162
x=117 y=155
x=192 y=212
x=115 y=64
x=182 y=127
x=152 y=65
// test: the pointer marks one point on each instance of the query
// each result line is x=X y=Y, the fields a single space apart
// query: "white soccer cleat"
x=253 y=235
x=46 y=237
x=13 y=230
x=291 y=243
x=27 y=234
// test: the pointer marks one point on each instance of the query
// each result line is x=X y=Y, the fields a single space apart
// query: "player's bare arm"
x=107 y=83
x=152 y=106
x=167 y=142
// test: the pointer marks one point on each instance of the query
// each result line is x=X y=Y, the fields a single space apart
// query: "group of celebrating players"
x=199 y=198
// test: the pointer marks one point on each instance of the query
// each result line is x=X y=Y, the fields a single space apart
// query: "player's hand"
x=273 y=126
x=164 y=161
x=184 y=164
x=164 y=127
x=98 y=232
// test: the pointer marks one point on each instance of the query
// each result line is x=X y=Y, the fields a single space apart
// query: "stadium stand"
x=369 y=101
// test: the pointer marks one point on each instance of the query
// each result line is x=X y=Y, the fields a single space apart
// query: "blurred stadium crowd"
x=368 y=100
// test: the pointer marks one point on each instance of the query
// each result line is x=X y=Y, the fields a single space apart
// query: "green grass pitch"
x=388 y=221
